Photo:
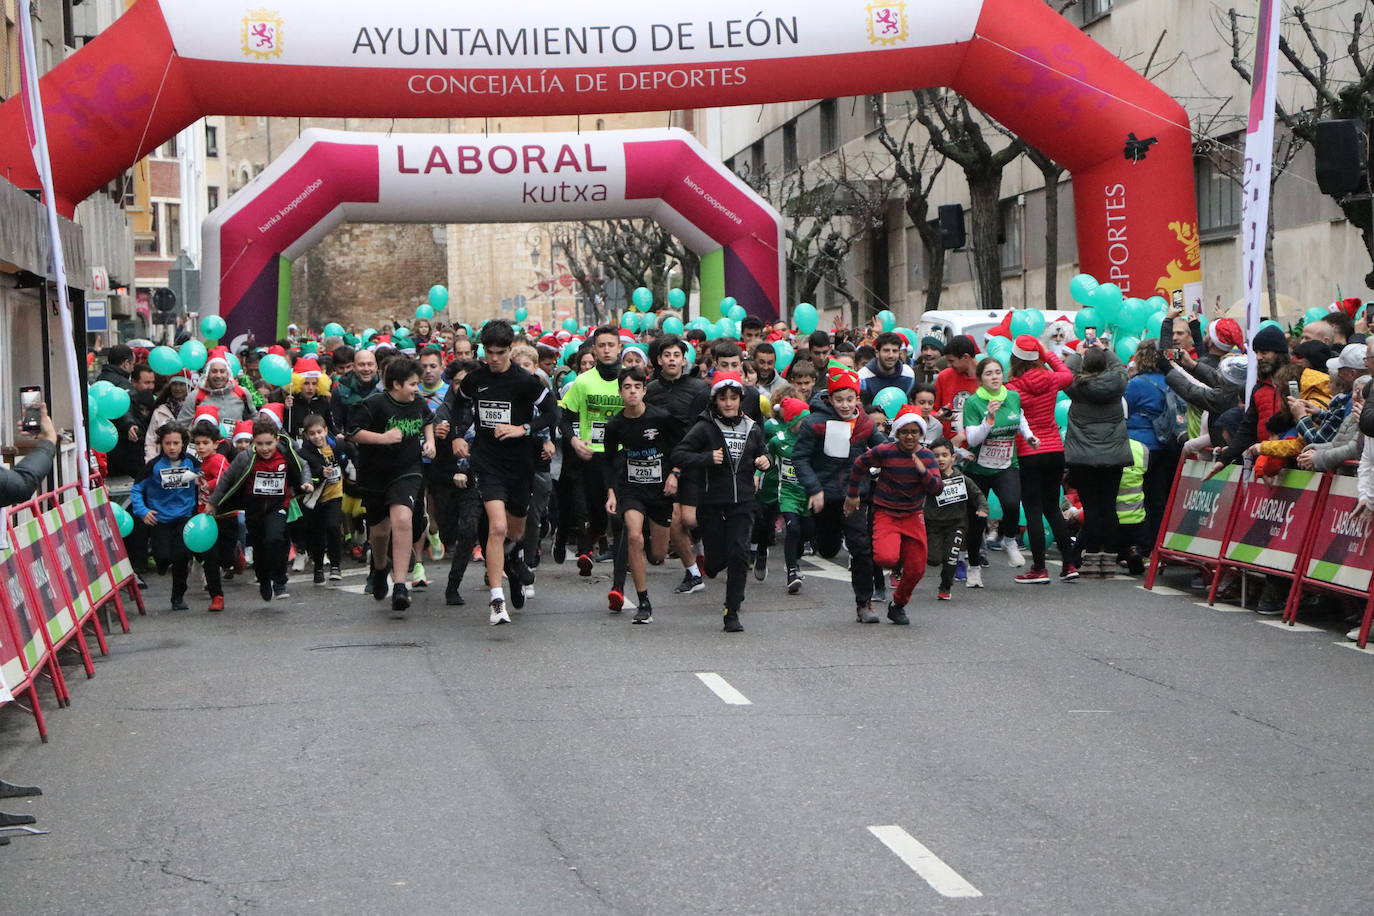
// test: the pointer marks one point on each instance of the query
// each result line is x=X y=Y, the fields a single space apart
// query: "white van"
x=948 y=324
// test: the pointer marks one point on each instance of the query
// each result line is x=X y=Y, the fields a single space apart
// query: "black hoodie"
x=731 y=481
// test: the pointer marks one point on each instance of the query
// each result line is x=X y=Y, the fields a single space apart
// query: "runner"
x=164 y=498
x=589 y=403
x=322 y=509
x=791 y=495
x=507 y=405
x=675 y=390
x=640 y=484
x=393 y=431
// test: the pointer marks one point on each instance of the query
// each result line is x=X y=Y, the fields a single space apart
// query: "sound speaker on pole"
x=1342 y=153
x=951 y=220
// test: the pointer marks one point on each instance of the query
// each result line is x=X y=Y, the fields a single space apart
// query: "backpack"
x=1171 y=426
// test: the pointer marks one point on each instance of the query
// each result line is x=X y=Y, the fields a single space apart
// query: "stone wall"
x=362 y=274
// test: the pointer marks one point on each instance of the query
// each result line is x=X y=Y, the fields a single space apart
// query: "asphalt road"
x=1080 y=748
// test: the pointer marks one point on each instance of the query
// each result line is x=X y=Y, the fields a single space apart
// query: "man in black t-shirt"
x=640 y=485
x=393 y=431
x=506 y=404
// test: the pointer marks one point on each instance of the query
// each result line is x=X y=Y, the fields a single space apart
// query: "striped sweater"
x=904 y=479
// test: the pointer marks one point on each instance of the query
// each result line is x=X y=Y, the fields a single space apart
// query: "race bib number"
x=955 y=491
x=645 y=470
x=786 y=472
x=996 y=453
x=492 y=414
x=177 y=478
x=598 y=432
x=272 y=483
x=332 y=474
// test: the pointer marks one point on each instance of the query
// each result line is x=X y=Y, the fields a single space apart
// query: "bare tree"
x=917 y=167
x=960 y=135
x=636 y=252
x=1051 y=171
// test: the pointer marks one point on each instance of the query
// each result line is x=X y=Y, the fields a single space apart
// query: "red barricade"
x=1271 y=524
x=121 y=570
x=24 y=654
x=1337 y=557
x=1200 y=514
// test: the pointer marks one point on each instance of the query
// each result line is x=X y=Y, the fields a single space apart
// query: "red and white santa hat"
x=218 y=356
x=243 y=429
x=207 y=412
x=1026 y=347
x=793 y=409
x=308 y=367
x=1226 y=334
x=275 y=412
x=726 y=380
x=906 y=416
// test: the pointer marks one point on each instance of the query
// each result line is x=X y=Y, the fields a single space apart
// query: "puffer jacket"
x=1097 y=421
x=822 y=473
x=731 y=481
x=1039 y=390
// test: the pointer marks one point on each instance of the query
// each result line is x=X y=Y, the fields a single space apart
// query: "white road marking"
x=1222 y=608
x=1367 y=650
x=1163 y=590
x=1278 y=624
x=824 y=569
x=945 y=880
x=721 y=688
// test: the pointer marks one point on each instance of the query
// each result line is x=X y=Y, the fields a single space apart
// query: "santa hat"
x=308 y=367
x=794 y=409
x=1225 y=334
x=207 y=412
x=634 y=348
x=838 y=376
x=1026 y=347
x=183 y=377
x=726 y=380
x=1350 y=306
x=243 y=429
x=275 y=412
x=220 y=356
x=906 y=341
x=907 y=415
x=276 y=350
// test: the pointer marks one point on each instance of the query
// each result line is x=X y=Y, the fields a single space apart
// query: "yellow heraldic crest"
x=1187 y=269
x=887 y=23
x=262 y=30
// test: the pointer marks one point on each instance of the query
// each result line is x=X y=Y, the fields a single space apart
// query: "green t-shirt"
x=998 y=451
x=595 y=400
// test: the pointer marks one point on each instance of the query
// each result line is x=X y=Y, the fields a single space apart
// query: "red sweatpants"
x=899 y=542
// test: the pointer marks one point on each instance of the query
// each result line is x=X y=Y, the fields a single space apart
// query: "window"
x=168 y=150
x=211 y=141
x=874 y=110
x=789 y=146
x=1094 y=10
x=757 y=167
x=600 y=123
x=211 y=197
x=1009 y=244
x=830 y=126
x=146 y=244
x=172 y=245
x=1218 y=195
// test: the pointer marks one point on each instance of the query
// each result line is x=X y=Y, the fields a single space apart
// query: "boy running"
x=947 y=515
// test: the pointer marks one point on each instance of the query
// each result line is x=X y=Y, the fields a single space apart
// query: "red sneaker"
x=585 y=564
x=217 y=603
x=942 y=596
x=1034 y=577
x=1068 y=573
x=615 y=601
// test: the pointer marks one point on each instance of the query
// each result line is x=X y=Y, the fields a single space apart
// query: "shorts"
x=659 y=510
x=403 y=491
x=688 y=490
x=512 y=489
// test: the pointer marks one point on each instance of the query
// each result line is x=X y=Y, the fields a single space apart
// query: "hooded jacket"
x=822 y=473
x=873 y=380
x=171 y=503
x=731 y=481
x=1097 y=423
x=1039 y=390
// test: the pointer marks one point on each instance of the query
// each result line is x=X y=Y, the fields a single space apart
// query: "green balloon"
x=111 y=403
x=1081 y=287
x=123 y=520
x=1087 y=318
x=1107 y=302
x=165 y=361
x=676 y=298
x=104 y=437
x=1021 y=323
x=1126 y=347
x=333 y=329
x=200 y=533
x=438 y=296
x=1061 y=414
x=424 y=311
x=630 y=321
x=368 y=334
x=193 y=355
x=737 y=313
x=890 y=401
x=887 y=320
x=648 y=321
x=275 y=370
x=673 y=325
x=1153 y=324
x=1315 y=313
x=643 y=298
x=805 y=317
x=570 y=325
x=212 y=327
x=521 y=314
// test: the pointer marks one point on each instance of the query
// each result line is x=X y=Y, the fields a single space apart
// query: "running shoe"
x=975 y=576
x=645 y=613
x=863 y=611
x=179 y=604
x=1068 y=572
x=319 y=575
x=897 y=614
x=615 y=601
x=519 y=573
x=732 y=624
x=560 y=552
x=794 y=582
x=960 y=571
x=1015 y=558
x=499 y=615
x=527 y=591
x=335 y=575
x=417 y=577
x=377 y=584
x=1034 y=577
x=436 y=547
x=217 y=603
x=689 y=584
x=761 y=566
x=585 y=564
x=279 y=592
x=400 y=598
x=265 y=589
x=297 y=561
x=454 y=598
x=517 y=595
x=943 y=596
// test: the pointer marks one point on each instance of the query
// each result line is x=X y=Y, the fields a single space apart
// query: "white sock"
x=694 y=571
x=498 y=594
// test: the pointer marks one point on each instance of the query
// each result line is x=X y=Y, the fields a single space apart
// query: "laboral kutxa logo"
x=887 y=23
x=262 y=30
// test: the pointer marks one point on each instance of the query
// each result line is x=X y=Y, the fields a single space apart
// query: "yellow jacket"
x=1314 y=386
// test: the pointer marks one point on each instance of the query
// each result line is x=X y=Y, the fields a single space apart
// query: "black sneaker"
x=516 y=569
x=335 y=575
x=279 y=591
x=179 y=604
x=377 y=583
x=761 y=566
x=689 y=584
x=533 y=562
x=400 y=598
x=560 y=552
x=897 y=614
x=517 y=595
x=265 y=589
x=319 y=575
x=454 y=598
x=863 y=611
x=645 y=613
x=732 y=624
x=794 y=582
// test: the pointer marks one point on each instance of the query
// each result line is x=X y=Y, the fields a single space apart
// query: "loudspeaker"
x=1342 y=154
x=951 y=220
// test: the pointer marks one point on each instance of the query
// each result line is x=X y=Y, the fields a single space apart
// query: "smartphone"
x=30 y=396
x=1292 y=389
x=1090 y=334
x=1176 y=297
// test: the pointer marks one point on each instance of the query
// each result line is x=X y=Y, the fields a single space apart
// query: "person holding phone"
x=23 y=480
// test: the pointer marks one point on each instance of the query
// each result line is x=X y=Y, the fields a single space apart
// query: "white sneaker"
x=529 y=591
x=1353 y=635
x=975 y=576
x=499 y=614
x=1015 y=559
x=298 y=564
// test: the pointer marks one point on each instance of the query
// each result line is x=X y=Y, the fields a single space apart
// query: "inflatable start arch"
x=327 y=177
x=167 y=62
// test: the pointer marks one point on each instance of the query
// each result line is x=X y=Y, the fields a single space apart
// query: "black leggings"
x=1007 y=485
x=1097 y=491
x=725 y=538
x=834 y=527
x=1041 y=477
